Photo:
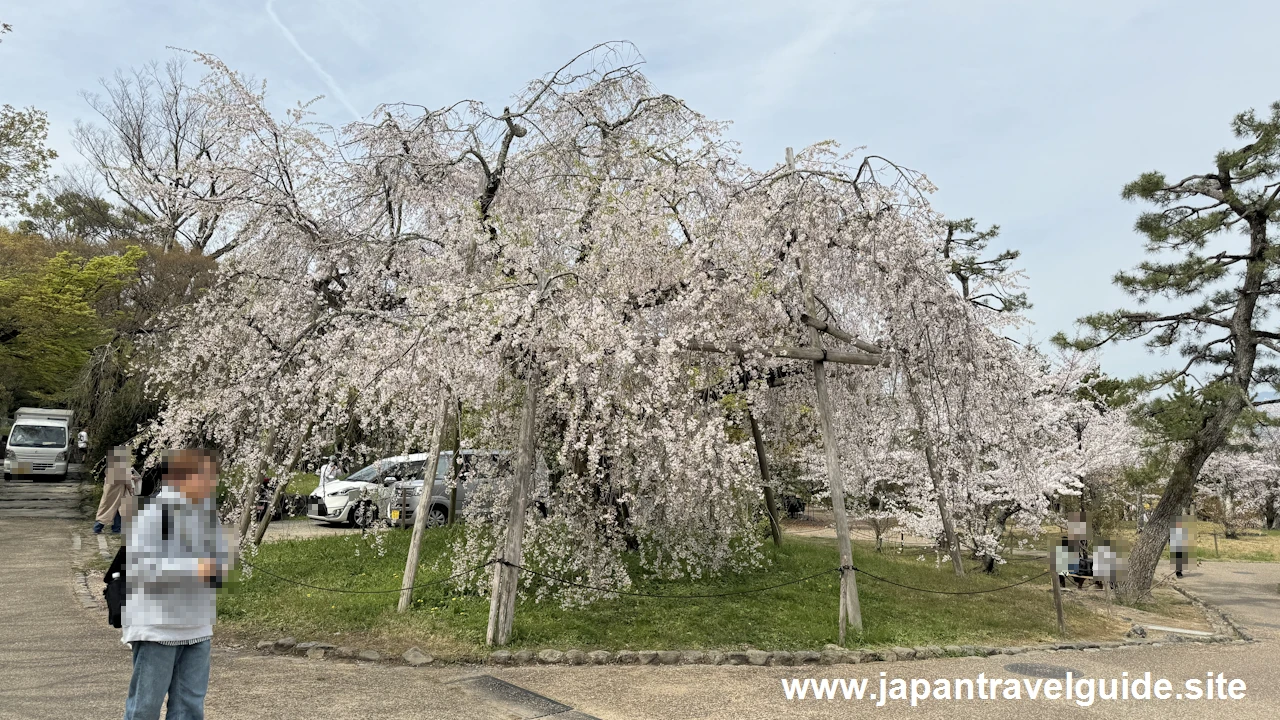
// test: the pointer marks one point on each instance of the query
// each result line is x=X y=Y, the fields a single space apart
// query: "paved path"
x=50 y=500
x=58 y=660
x=1249 y=592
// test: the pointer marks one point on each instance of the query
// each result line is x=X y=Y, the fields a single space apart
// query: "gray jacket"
x=161 y=575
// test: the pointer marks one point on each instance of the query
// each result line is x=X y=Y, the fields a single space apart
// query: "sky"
x=1029 y=115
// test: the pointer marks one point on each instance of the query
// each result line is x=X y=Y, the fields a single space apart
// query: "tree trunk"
x=935 y=474
x=261 y=530
x=770 y=505
x=1002 y=520
x=1177 y=496
x=253 y=486
x=506 y=579
x=1181 y=488
x=420 y=513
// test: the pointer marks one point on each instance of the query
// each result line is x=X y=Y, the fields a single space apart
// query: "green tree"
x=77 y=216
x=989 y=282
x=49 y=320
x=1218 y=228
x=24 y=159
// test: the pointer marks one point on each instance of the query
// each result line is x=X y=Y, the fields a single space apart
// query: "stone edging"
x=1211 y=610
x=831 y=655
x=89 y=600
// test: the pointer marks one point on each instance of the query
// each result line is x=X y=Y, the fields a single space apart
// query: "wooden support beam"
x=424 y=505
x=506 y=578
x=850 y=607
x=837 y=333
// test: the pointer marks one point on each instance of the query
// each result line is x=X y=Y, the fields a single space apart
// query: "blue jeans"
x=181 y=671
x=115 y=526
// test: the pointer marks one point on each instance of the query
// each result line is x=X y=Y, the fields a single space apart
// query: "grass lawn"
x=1252 y=545
x=303 y=483
x=796 y=617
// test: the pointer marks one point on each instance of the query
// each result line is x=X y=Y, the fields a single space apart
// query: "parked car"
x=353 y=500
x=399 y=500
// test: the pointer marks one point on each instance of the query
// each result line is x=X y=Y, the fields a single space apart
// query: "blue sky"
x=1031 y=115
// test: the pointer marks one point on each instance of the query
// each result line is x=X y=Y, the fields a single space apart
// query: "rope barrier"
x=669 y=596
x=945 y=592
x=368 y=592
x=658 y=595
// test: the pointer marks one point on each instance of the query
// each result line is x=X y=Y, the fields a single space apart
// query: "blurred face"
x=193 y=474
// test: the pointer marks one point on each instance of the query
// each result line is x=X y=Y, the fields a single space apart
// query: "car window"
x=42 y=436
x=408 y=471
x=364 y=474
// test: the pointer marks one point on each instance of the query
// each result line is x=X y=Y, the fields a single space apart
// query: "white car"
x=354 y=499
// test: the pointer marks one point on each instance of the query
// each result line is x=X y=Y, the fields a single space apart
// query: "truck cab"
x=39 y=445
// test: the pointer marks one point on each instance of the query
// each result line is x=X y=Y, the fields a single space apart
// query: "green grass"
x=800 y=616
x=1250 y=546
x=303 y=483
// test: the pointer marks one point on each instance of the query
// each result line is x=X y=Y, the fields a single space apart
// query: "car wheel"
x=364 y=515
x=437 y=517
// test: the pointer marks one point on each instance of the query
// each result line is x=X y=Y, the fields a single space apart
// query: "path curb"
x=1211 y=610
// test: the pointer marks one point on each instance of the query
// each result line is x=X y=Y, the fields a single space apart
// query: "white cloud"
x=329 y=81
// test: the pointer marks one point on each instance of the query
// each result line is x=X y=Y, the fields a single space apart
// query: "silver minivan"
x=398 y=501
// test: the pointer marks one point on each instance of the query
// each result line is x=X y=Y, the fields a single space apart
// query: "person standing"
x=176 y=559
x=82 y=445
x=329 y=472
x=116 y=487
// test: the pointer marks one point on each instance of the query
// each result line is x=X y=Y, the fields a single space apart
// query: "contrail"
x=315 y=65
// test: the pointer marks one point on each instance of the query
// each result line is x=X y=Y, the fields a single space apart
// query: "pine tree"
x=1218 y=227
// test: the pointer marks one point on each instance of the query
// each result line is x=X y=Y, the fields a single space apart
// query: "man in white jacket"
x=176 y=560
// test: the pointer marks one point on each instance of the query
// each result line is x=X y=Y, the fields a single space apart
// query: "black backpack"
x=115 y=591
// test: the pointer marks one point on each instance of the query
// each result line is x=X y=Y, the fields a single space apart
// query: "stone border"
x=1214 y=614
x=831 y=655
x=89 y=600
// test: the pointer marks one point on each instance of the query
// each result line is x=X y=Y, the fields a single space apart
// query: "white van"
x=39 y=444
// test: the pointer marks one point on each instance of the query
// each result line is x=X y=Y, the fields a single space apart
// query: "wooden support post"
x=770 y=505
x=420 y=513
x=1215 y=545
x=1055 y=578
x=506 y=579
x=1057 y=604
x=850 y=609
x=404 y=504
x=455 y=464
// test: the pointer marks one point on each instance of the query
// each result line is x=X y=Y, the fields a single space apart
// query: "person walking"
x=116 y=487
x=1180 y=543
x=177 y=557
